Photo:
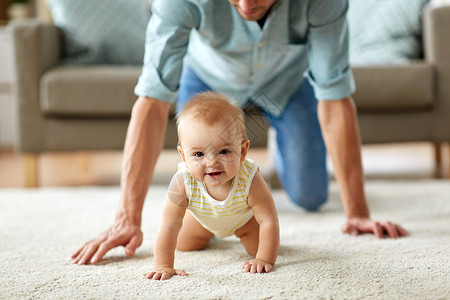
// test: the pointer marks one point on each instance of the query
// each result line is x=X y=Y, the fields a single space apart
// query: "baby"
x=217 y=191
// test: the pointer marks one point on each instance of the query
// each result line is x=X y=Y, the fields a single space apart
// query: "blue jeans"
x=301 y=157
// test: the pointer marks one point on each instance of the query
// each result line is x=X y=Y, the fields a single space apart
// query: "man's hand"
x=164 y=273
x=257 y=266
x=120 y=234
x=356 y=226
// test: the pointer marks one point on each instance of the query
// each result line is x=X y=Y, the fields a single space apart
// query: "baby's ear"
x=180 y=150
x=244 y=149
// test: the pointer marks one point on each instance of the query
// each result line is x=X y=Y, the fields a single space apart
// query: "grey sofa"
x=71 y=108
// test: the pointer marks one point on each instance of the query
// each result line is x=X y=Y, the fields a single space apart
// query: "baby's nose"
x=212 y=159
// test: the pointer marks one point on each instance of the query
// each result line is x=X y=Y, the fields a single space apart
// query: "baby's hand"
x=257 y=266
x=164 y=273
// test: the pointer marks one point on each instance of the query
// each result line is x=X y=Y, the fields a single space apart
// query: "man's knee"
x=309 y=202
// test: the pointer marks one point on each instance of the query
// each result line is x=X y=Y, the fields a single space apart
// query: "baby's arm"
x=263 y=206
x=166 y=238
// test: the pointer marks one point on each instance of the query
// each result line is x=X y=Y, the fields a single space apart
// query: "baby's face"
x=212 y=153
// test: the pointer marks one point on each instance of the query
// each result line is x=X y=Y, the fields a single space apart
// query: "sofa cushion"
x=387 y=88
x=101 y=31
x=89 y=91
x=385 y=31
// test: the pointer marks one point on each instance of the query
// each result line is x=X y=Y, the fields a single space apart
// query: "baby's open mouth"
x=214 y=174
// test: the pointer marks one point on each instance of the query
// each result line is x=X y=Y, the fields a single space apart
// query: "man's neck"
x=262 y=20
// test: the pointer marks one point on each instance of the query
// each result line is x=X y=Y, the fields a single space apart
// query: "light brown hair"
x=212 y=107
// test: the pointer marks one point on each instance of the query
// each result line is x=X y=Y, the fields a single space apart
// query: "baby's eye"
x=198 y=154
x=224 y=151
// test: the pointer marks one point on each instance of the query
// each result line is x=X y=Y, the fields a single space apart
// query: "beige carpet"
x=39 y=229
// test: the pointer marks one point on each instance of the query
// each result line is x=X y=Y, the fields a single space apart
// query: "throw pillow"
x=101 y=31
x=385 y=31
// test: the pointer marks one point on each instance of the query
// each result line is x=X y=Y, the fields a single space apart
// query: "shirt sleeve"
x=329 y=70
x=166 y=43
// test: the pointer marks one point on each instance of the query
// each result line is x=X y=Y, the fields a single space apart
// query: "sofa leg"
x=437 y=160
x=448 y=160
x=30 y=164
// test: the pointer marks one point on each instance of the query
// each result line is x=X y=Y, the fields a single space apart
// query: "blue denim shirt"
x=300 y=38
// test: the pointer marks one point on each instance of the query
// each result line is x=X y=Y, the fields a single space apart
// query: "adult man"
x=257 y=51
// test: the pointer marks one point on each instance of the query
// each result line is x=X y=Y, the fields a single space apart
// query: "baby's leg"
x=192 y=235
x=249 y=235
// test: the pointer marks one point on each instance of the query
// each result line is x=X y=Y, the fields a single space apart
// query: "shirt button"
x=260 y=44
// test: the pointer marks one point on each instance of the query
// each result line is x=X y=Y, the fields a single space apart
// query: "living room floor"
x=394 y=161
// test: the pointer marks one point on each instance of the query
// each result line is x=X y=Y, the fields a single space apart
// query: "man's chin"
x=250 y=17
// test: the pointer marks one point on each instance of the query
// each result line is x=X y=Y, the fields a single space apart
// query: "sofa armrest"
x=436 y=24
x=37 y=43
x=36 y=47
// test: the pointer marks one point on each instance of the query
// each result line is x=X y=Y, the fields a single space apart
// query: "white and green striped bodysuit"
x=222 y=218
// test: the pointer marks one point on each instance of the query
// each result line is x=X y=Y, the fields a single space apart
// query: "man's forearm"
x=144 y=142
x=340 y=130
